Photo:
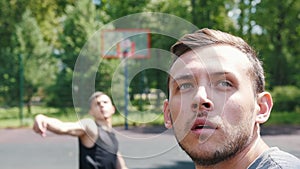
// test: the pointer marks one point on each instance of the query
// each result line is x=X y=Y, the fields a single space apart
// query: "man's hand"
x=40 y=125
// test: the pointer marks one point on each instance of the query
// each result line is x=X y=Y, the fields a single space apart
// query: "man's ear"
x=265 y=104
x=167 y=115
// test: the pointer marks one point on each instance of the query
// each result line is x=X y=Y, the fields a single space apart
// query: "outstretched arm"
x=43 y=123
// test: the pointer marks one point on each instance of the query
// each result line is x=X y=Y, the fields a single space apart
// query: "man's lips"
x=202 y=123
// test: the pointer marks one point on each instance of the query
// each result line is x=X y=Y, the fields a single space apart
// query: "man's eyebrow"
x=220 y=73
x=182 y=77
x=190 y=76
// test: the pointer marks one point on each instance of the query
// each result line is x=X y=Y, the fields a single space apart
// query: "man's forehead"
x=103 y=97
x=210 y=59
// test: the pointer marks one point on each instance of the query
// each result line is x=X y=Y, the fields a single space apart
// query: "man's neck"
x=105 y=124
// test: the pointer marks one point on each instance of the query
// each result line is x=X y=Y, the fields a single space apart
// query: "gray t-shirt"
x=275 y=159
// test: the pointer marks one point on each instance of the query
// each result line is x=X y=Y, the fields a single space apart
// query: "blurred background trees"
x=46 y=37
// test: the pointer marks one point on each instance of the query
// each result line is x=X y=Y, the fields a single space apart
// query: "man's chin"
x=107 y=115
x=202 y=155
x=211 y=153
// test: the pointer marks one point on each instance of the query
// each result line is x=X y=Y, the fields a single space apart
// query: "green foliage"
x=211 y=14
x=10 y=118
x=105 y=75
x=46 y=14
x=34 y=50
x=77 y=28
x=286 y=98
x=59 y=94
x=49 y=35
x=34 y=55
x=114 y=9
x=283 y=118
x=179 y=8
x=10 y=14
x=21 y=36
x=278 y=41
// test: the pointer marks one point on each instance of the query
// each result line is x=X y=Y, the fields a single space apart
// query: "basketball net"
x=125 y=48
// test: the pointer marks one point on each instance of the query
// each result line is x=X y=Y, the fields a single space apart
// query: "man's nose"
x=201 y=100
x=100 y=104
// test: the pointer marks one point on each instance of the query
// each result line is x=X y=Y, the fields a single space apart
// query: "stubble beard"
x=221 y=153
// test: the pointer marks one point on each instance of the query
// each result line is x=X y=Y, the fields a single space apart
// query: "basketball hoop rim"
x=119 y=55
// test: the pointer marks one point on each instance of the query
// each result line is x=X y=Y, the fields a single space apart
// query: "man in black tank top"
x=102 y=154
x=98 y=146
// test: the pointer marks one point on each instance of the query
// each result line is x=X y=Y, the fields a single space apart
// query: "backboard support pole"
x=125 y=53
x=125 y=44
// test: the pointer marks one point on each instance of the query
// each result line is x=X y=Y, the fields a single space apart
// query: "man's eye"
x=185 y=86
x=225 y=83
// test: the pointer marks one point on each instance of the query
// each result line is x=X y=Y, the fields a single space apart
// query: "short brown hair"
x=205 y=37
x=94 y=96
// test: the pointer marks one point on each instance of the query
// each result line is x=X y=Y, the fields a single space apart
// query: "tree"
x=36 y=55
x=79 y=44
x=211 y=14
x=41 y=28
x=279 y=39
x=79 y=24
x=115 y=9
x=11 y=12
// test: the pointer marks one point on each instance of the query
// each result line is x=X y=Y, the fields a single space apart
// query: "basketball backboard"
x=131 y=43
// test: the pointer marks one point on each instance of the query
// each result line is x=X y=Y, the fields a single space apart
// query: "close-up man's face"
x=101 y=107
x=212 y=104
